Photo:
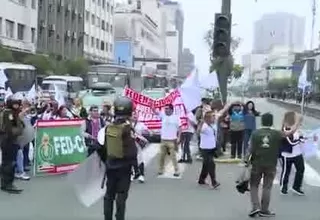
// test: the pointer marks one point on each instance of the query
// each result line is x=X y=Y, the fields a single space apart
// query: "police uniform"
x=120 y=155
x=11 y=127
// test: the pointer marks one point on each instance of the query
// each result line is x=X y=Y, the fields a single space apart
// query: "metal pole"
x=302 y=101
x=313 y=22
x=223 y=71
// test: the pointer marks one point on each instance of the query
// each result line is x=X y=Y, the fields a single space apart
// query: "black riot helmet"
x=11 y=101
x=123 y=106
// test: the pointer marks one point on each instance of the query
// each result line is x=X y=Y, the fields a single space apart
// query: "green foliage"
x=5 y=55
x=279 y=84
x=41 y=62
x=237 y=71
x=76 y=67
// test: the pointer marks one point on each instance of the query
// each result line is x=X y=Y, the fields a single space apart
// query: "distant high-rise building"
x=279 y=28
x=174 y=16
x=187 y=62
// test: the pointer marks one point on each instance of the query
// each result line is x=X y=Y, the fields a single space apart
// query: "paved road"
x=50 y=198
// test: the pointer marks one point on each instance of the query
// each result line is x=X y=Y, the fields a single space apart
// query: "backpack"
x=114 y=140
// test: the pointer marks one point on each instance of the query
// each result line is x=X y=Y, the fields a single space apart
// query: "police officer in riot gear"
x=120 y=155
x=11 y=127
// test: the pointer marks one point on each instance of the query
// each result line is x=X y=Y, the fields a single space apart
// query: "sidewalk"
x=311 y=105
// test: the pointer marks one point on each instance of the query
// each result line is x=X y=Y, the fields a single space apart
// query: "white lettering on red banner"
x=145 y=106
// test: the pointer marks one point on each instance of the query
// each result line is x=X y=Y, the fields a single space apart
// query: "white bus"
x=20 y=77
x=118 y=76
x=70 y=86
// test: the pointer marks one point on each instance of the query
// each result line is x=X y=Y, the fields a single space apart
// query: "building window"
x=107 y=46
x=103 y=3
x=33 y=35
x=21 y=29
x=102 y=45
x=93 y=1
x=107 y=26
x=98 y=21
x=103 y=25
x=97 y=43
x=22 y=2
x=9 y=28
x=111 y=28
x=108 y=6
x=92 y=41
x=93 y=19
x=111 y=47
x=87 y=15
x=99 y=2
x=33 y=4
x=86 y=39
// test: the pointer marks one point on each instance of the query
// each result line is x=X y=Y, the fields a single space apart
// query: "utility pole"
x=225 y=64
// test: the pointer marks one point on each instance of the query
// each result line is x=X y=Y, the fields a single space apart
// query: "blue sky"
x=200 y=13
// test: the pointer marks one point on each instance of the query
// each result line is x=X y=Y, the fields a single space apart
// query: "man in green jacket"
x=264 y=150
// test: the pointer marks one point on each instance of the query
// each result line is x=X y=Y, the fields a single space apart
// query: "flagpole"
x=302 y=101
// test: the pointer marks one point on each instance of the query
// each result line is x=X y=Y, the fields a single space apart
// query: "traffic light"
x=222 y=35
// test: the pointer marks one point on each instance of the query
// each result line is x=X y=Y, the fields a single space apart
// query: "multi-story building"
x=19 y=24
x=281 y=29
x=73 y=28
x=99 y=30
x=187 y=60
x=61 y=28
x=138 y=32
x=175 y=20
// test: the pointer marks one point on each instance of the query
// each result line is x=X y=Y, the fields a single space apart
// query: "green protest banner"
x=59 y=146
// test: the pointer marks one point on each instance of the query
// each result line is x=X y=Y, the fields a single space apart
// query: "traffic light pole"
x=224 y=69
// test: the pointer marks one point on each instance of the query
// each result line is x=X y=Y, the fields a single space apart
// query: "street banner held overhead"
x=59 y=146
x=144 y=107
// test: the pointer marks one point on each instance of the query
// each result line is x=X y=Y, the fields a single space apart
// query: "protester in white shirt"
x=139 y=128
x=208 y=138
x=170 y=137
x=291 y=154
x=186 y=137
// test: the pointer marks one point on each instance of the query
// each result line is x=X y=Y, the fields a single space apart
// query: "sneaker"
x=181 y=161
x=266 y=214
x=12 y=189
x=189 y=161
x=284 y=191
x=254 y=213
x=176 y=174
x=216 y=185
x=198 y=157
x=22 y=176
x=141 y=179
x=160 y=173
x=202 y=183
x=298 y=192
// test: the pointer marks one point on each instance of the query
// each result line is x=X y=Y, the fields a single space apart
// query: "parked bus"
x=155 y=81
x=20 y=77
x=70 y=86
x=118 y=76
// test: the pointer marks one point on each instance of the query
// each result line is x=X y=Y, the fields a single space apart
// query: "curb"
x=311 y=112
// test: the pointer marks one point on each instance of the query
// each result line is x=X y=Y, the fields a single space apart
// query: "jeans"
x=247 y=135
x=9 y=158
x=186 y=138
x=20 y=164
x=236 y=143
x=26 y=161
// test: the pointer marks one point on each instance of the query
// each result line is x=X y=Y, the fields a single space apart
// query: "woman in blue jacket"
x=250 y=115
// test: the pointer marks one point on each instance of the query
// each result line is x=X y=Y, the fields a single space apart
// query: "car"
x=158 y=93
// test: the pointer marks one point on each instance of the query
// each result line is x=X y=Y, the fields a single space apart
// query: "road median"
x=312 y=112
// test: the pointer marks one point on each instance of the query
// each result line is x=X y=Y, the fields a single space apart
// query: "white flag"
x=210 y=81
x=303 y=83
x=3 y=79
x=32 y=94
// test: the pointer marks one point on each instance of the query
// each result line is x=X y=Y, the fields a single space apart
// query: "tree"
x=279 y=84
x=42 y=63
x=76 y=67
x=237 y=71
x=5 y=55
